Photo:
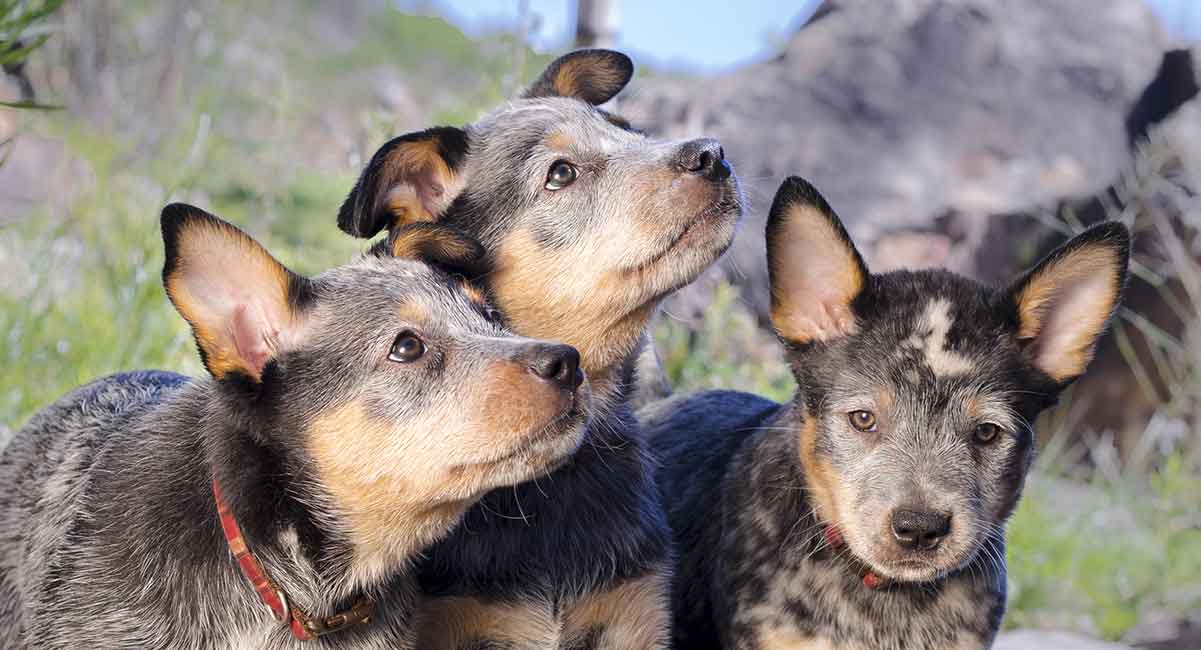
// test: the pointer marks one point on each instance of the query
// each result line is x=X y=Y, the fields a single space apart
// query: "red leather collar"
x=871 y=579
x=304 y=626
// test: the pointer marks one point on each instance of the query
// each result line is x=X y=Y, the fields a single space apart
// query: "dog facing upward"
x=349 y=422
x=869 y=512
x=586 y=225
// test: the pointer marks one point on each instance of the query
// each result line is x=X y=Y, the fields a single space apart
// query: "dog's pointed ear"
x=814 y=269
x=412 y=178
x=1064 y=303
x=438 y=245
x=594 y=76
x=242 y=304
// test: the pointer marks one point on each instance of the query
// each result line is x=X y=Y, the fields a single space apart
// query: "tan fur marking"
x=207 y=253
x=559 y=141
x=451 y=623
x=602 y=319
x=413 y=165
x=816 y=278
x=473 y=292
x=777 y=638
x=1064 y=308
x=635 y=614
x=424 y=244
x=819 y=476
x=516 y=402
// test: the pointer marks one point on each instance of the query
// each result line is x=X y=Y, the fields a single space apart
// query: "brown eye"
x=985 y=433
x=561 y=174
x=407 y=348
x=863 y=420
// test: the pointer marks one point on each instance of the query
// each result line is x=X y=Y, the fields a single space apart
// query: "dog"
x=869 y=512
x=350 y=420
x=587 y=224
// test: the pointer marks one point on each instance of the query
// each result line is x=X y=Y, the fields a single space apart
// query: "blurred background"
x=971 y=134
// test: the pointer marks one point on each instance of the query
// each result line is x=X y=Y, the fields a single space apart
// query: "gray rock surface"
x=918 y=119
x=1040 y=640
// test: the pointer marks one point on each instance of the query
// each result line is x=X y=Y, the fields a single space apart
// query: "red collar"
x=871 y=579
x=304 y=626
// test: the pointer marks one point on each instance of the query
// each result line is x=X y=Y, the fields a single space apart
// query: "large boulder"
x=919 y=120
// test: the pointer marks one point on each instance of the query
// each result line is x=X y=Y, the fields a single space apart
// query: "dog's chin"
x=693 y=249
x=914 y=568
x=542 y=451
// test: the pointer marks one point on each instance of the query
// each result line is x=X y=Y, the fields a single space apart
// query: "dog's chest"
x=813 y=604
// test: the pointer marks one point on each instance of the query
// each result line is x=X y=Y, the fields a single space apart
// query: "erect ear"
x=1066 y=300
x=241 y=303
x=414 y=177
x=594 y=76
x=814 y=269
x=439 y=245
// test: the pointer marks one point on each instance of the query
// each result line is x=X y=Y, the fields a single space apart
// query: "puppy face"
x=916 y=390
x=587 y=222
x=383 y=380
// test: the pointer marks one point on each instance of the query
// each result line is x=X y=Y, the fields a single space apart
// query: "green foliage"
x=23 y=29
x=1103 y=556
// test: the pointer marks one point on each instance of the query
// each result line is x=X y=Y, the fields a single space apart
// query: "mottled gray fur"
x=110 y=535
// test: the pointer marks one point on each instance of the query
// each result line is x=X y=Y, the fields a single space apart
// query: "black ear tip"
x=1113 y=233
x=797 y=191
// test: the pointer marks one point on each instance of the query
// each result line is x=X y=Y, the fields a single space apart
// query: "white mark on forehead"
x=930 y=337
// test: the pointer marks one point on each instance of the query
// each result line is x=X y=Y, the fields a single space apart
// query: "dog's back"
x=45 y=472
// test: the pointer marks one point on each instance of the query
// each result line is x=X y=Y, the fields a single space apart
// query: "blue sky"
x=699 y=34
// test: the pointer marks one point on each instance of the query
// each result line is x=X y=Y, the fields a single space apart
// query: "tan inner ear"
x=815 y=276
x=1064 y=308
x=422 y=184
x=573 y=73
x=225 y=283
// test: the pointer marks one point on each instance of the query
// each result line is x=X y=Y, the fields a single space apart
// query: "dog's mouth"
x=545 y=447
x=704 y=232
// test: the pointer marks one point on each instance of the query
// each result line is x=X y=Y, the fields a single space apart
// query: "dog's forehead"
x=929 y=335
x=533 y=121
x=372 y=289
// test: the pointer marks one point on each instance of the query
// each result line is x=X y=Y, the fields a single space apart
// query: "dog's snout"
x=557 y=364
x=704 y=157
x=920 y=529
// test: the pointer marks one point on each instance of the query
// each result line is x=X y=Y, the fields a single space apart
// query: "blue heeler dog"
x=869 y=512
x=587 y=224
x=350 y=420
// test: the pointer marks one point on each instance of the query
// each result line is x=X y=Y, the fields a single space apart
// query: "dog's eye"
x=561 y=174
x=407 y=347
x=863 y=420
x=985 y=433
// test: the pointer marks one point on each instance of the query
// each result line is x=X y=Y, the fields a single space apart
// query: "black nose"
x=920 y=529
x=703 y=157
x=558 y=364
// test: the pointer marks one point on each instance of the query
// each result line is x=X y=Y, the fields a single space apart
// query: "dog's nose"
x=703 y=157
x=920 y=529
x=557 y=364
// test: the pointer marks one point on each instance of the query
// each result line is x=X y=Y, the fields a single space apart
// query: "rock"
x=919 y=119
x=1041 y=640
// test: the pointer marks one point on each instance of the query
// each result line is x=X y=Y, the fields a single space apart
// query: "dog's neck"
x=304 y=542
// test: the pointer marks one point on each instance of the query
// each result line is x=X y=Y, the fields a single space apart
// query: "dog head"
x=916 y=390
x=382 y=384
x=587 y=222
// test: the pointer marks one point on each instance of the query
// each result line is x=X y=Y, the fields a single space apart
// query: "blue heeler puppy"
x=869 y=512
x=350 y=420
x=587 y=224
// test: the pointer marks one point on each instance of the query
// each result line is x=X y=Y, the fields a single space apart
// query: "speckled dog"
x=869 y=513
x=587 y=224
x=350 y=421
